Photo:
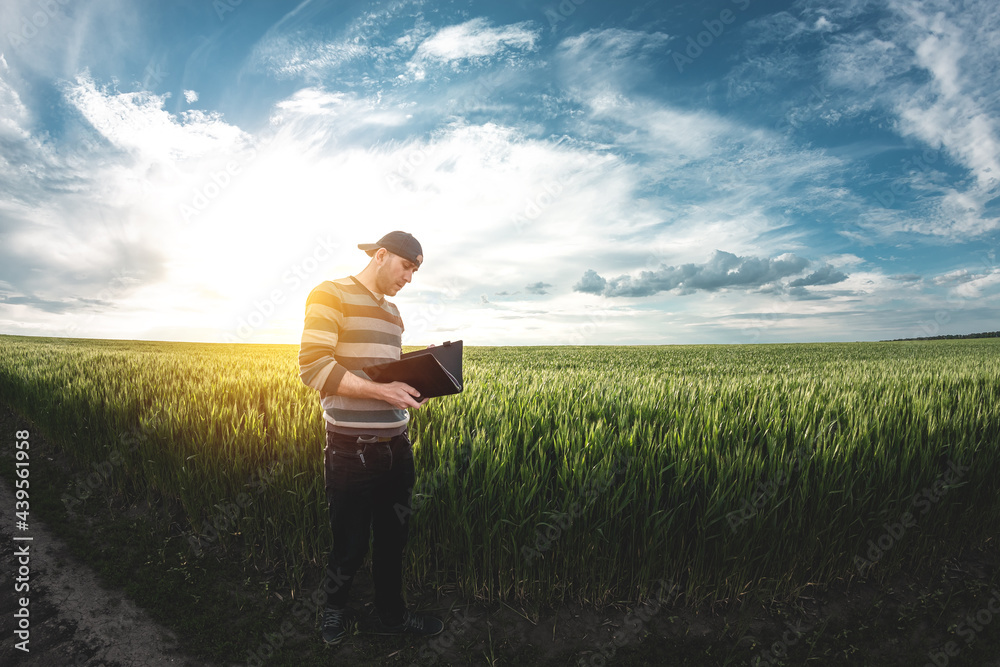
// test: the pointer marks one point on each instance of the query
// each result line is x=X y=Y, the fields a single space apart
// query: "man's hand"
x=400 y=395
x=396 y=394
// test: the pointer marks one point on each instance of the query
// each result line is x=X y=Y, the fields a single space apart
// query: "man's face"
x=393 y=273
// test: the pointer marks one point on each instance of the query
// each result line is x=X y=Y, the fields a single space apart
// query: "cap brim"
x=368 y=247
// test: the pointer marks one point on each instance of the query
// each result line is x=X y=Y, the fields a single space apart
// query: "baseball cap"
x=398 y=243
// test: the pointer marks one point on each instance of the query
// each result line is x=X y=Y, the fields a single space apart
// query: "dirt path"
x=74 y=620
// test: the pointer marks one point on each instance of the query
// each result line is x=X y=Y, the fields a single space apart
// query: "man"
x=368 y=456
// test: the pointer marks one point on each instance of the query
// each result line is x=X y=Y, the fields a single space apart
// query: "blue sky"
x=583 y=172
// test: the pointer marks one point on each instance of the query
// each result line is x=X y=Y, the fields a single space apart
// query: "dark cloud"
x=537 y=288
x=826 y=275
x=67 y=304
x=590 y=283
x=47 y=305
x=723 y=270
x=802 y=294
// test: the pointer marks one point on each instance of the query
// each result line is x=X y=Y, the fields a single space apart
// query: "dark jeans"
x=368 y=487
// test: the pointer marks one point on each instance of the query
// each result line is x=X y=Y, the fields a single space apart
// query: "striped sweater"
x=347 y=328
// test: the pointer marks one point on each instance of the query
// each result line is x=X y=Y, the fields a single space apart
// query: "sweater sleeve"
x=324 y=320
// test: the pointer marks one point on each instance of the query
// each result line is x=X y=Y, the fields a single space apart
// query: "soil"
x=74 y=619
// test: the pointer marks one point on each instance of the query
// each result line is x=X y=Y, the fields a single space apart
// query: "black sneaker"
x=336 y=623
x=424 y=626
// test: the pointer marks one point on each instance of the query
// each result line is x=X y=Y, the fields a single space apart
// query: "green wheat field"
x=580 y=474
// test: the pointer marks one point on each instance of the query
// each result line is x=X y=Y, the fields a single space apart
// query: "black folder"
x=434 y=371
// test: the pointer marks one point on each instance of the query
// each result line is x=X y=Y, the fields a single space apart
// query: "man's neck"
x=367 y=278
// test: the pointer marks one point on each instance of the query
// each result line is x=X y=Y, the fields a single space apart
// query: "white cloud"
x=611 y=58
x=295 y=55
x=918 y=66
x=345 y=110
x=914 y=72
x=714 y=176
x=137 y=121
x=949 y=111
x=823 y=24
x=613 y=43
x=475 y=39
x=13 y=113
x=98 y=224
x=968 y=133
x=291 y=53
x=975 y=288
x=310 y=180
x=718 y=178
x=843 y=10
x=863 y=61
x=473 y=43
x=645 y=175
x=292 y=49
x=776 y=28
